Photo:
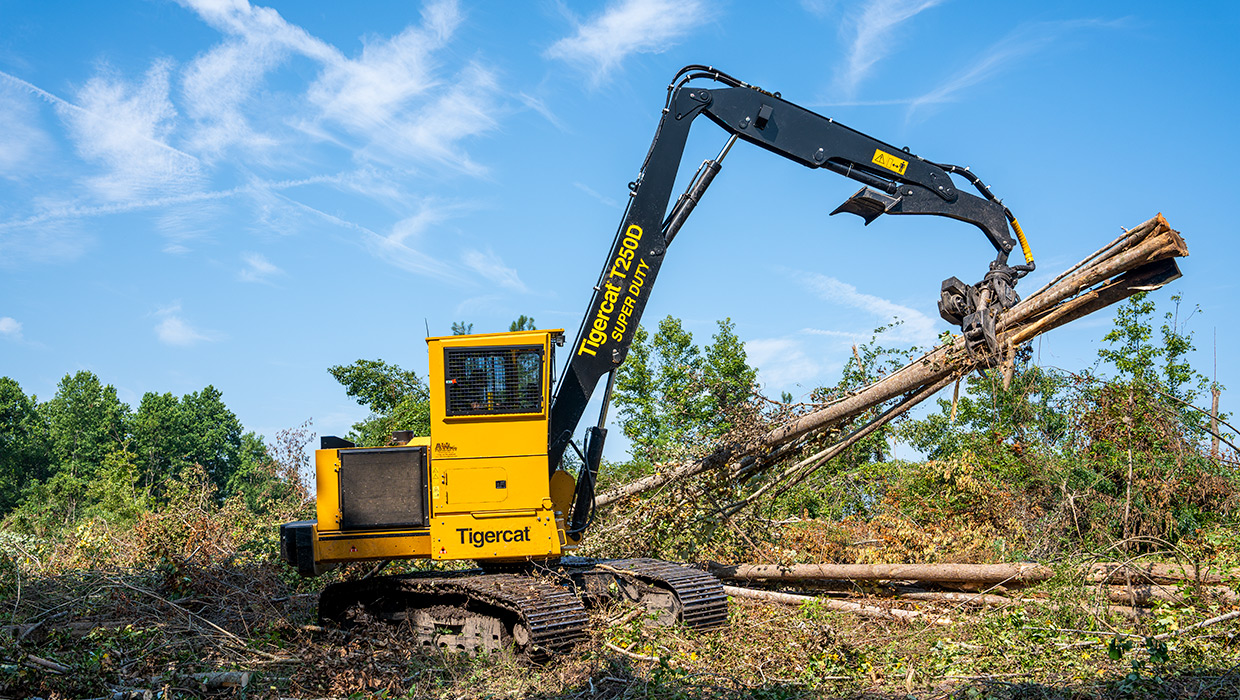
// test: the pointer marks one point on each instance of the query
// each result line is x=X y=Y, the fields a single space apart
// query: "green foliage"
x=254 y=481
x=523 y=323
x=730 y=380
x=672 y=396
x=25 y=444
x=213 y=435
x=997 y=422
x=870 y=362
x=462 y=328
x=158 y=430
x=169 y=434
x=398 y=400
x=86 y=422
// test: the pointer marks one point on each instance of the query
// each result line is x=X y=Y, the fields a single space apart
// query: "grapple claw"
x=867 y=203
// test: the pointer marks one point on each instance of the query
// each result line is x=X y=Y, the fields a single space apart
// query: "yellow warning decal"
x=884 y=159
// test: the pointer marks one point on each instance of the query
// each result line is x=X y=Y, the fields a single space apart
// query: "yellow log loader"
x=489 y=484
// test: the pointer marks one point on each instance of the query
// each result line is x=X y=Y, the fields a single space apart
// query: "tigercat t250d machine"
x=489 y=483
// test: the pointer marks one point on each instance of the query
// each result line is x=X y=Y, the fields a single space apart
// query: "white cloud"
x=376 y=87
x=916 y=328
x=260 y=26
x=874 y=38
x=218 y=84
x=539 y=105
x=602 y=198
x=1022 y=42
x=10 y=327
x=257 y=269
x=434 y=131
x=21 y=139
x=626 y=27
x=124 y=127
x=395 y=96
x=782 y=362
x=492 y=268
x=174 y=330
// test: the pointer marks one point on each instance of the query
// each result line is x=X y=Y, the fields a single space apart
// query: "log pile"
x=872 y=589
x=1141 y=259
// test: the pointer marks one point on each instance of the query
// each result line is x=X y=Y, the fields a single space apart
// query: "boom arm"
x=896 y=182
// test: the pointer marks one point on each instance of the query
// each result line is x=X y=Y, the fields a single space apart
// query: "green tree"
x=213 y=434
x=159 y=437
x=86 y=422
x=462 y=328
x=1156 y=371
x=674 y=399
x=25 y=446
x=523 y=323
x=730 y=380
x=117 y=494
x=398 y=400
x=870 y=362
x=1129 y=348
x=1031 y=414
x=256 y=480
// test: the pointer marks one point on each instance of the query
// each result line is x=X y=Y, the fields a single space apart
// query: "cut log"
x=1139 y=260
x=990 y=574
x=223 y=679
x=1151 y=593
x=837 y=605
x=1156 y=573
x=970 y=599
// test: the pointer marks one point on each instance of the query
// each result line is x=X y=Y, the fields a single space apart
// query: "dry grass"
x=153 y=629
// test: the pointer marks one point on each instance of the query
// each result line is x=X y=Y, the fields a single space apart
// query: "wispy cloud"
x=782 y=362
x=374 y=88
x=257 y=269
x=474 y=306
x=539 y=105
x=602 y=198
x=167 y=142
x=77 y=211
x=1003 y=54
x=21 y=140
x=10 y=328
x=626 y=27
x=492 y=268
x=916 y=327
x=821 y=8
x=125 y=128
x=390 y=248
x=174 y=330
x=873 y=39
x=435 y=130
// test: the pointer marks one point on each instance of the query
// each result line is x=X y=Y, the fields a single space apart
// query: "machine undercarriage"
x=539 y=611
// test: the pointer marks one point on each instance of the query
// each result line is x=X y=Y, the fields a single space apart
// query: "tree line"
x=1123 y=434
x=86 y=452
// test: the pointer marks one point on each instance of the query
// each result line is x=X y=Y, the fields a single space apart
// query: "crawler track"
x=540 y=611
x=701 y=602
x=540 y=615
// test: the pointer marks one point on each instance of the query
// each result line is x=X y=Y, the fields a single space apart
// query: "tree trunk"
x=971 y=573
x=1141 y=259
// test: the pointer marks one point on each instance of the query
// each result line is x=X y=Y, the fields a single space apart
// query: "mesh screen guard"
x=496 y=380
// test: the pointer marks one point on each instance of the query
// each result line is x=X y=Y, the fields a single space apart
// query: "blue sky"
x=212 y=192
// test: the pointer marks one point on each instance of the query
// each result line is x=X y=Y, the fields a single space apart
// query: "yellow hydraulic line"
x=1024 y=244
